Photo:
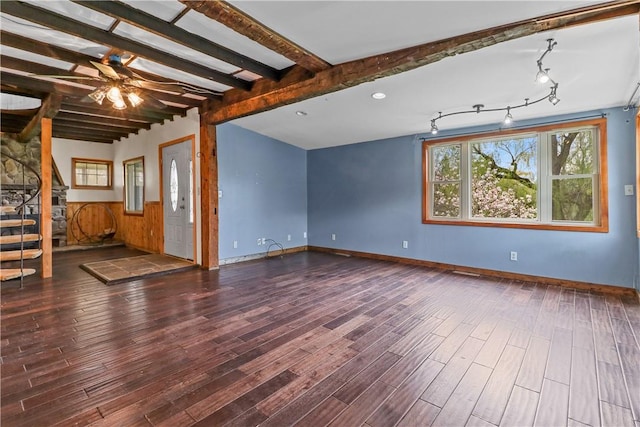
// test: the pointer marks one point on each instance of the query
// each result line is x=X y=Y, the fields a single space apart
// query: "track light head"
x=543 y=75
x=434 y=128
x=553 y=98
x=508 y=118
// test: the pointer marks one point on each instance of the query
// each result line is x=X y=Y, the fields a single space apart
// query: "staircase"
x=18 y=241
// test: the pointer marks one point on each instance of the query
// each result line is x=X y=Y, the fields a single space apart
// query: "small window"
x=134 y=186
x=91 y=174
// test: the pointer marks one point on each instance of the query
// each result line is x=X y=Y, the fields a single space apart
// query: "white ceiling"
x=596 y=66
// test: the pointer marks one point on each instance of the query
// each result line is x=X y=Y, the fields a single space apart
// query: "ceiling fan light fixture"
x=134 y=99
x=119 y=105
x=114 y=95
x=98 y=95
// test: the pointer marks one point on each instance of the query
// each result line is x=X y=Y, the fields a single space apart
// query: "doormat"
x=121 y=270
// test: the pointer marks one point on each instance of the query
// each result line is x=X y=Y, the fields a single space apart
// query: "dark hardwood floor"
x=314 y=339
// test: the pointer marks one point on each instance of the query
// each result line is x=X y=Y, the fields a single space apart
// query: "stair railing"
x=22 y=207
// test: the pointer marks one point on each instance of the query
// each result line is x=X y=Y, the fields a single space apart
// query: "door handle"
x=181 y=206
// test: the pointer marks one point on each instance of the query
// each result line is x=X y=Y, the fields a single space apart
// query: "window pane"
x=446 y=163
x=173 y=185
x=573 y=200
x=446 y=200
x=572 y=153
x=503 y=178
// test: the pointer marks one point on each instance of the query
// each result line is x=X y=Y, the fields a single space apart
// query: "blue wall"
x=264 y=192
x=369 y=196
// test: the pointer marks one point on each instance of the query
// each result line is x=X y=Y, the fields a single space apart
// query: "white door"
x=177 y=196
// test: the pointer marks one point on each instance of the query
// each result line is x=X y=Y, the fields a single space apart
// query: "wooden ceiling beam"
x=49 y=108
x=105 y=131
x=159 y=27
x=244 y=24
x=297 y=86
x=62 y=23
x=64 y=116
x=82 y=137
x=96 y=127
x=74 y=106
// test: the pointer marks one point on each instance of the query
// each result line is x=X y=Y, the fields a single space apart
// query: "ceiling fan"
x=124 y=87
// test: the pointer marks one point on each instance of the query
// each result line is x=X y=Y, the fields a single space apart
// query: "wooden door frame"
x=191 y=137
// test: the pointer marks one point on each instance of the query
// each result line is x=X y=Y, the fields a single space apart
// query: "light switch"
x=219 y=194
x=628 y=190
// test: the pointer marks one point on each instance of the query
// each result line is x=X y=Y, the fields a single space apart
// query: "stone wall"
x=18 y=183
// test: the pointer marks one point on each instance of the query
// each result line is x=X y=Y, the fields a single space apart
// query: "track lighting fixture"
x=542 y=76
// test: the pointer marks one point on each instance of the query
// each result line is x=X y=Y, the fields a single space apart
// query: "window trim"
x=75 y=185
x=124 y=187
x=602 y=192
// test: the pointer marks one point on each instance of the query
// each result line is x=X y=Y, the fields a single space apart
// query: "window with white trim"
x=549 y=177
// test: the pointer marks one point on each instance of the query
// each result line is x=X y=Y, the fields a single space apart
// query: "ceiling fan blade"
x=167 y=87
x=151 y=102
x=53 y=76
x=106 y=70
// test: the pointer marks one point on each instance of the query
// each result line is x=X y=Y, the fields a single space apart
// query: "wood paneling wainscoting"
x=138 y=231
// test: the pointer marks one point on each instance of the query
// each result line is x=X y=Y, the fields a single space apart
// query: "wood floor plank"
x=553 y=404
x=313 y=338
x=613 y=415
x=559 y=363
x=402 y=399
x=521 y=408
x=421 y=413
x=457 y=410
x=445 y=383
x=583 y=400
x=494 y=397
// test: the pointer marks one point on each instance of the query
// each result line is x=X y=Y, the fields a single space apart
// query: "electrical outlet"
x=405 y=244
x=259 y=241
x=514 y=256
x=304 y=234
x=628 y=190
x=235 y=244
x=288 y=237
x=333 y=237
x=264 y=242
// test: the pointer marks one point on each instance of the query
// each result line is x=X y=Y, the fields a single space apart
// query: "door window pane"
x=173 y=185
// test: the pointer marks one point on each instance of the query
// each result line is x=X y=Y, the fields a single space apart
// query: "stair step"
x=17 y=238
x=6 y=209
x=15 y=255
x=4 y=223
x=14 y=273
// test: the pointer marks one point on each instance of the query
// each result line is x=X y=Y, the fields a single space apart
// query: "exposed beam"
x=62 y=23
x=90 y=119
x=34 y=46
x=92 y=127
x=84 y=136
x=115 y=133
x=159 y=27
x=49 y=108
x=75 y=106
x=244 y=24
x=296 y=86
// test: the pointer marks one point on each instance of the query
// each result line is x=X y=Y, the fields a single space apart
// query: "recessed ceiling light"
x=378 y=95
x=301 y=113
